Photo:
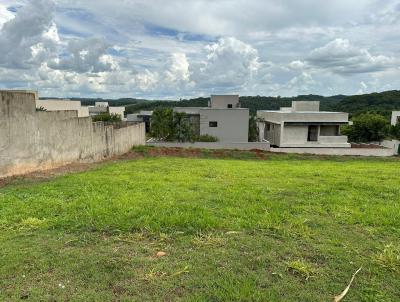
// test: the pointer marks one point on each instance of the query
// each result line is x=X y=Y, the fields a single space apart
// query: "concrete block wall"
x=33 y=140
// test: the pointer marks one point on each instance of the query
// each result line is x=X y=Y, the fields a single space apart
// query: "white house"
x=303 y=125
x=63 y=105
x=223 y=118
x=395 y=117
x=104 y=107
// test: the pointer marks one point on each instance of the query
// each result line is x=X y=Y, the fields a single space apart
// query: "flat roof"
x=293 y=112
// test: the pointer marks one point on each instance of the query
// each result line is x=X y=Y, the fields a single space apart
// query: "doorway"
x=312 y=134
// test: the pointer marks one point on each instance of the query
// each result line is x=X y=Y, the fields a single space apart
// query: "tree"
x=182 y=128
x=253 y=130
x=367 y=127
x=162 y=123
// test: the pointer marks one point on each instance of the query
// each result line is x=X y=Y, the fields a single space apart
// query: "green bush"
x=107 y=117
x=367 y=127
x=206 y=138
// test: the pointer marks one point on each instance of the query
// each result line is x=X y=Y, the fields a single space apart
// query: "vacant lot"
x=278 y=229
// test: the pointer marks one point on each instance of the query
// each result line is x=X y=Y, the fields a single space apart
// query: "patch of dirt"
x=42 y=175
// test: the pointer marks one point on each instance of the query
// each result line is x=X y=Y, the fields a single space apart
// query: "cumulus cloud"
x=340 y=56
x=228 y=63
x=86 y=55
x=177 y=70
x=132 y=48
x=23 y=39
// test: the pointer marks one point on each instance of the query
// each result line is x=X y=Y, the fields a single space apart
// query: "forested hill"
x=382 y=103
x=254 y=103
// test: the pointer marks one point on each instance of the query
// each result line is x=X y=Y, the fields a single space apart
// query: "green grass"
x=280 y=229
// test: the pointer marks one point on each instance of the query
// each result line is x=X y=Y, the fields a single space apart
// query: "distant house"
x=223 y=118
x=63 y=105
x=303 y=125
x=104 y=107
x=395 y=117
x=142 y=116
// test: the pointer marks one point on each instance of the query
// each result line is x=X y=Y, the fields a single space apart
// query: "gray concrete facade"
x=224 y=101
x=303 y=125
x=228 y=125
x=223 y=118
x=33 y=140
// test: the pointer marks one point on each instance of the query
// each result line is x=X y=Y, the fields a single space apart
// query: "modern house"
x=223 y=119
x=104 y=107
x=63 y=105
x=142 y=116
x=303 y=125
x=395 y=117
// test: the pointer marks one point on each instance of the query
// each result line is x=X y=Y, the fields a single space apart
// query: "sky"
x=174 y=49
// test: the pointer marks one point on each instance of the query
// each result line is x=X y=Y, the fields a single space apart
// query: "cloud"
x=132 y=48
x=340 y=56
x=23 y=38
x=86 y=55
x=228 y=63
x=5 y=15
x=177 y=70
x=297 y=65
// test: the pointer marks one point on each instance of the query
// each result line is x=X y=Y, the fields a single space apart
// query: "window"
x=268 y=127
x=213 y=124
x=230 y=106
x=329 y=130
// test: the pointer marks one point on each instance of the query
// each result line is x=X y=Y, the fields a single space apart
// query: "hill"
x=254 y=103
x=383 y=103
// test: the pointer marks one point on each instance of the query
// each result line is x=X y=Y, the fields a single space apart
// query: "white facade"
x=223 y=118
x=63 y=105
x=395 y=117
x=104 y=107
x=117 y=110
x=303 y=125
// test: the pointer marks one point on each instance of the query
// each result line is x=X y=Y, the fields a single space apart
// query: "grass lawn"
x=280 y=229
